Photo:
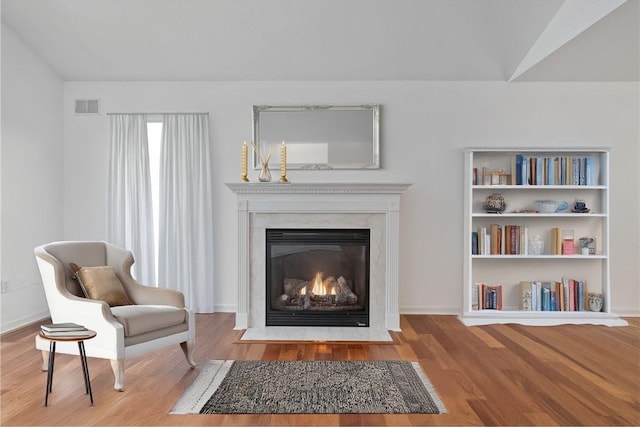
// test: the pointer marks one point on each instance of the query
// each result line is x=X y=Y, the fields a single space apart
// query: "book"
x=526 y=298
x=572 y=295
x=559 y=296
x=525 y=171
x=580 y=306
x=495 y=231
x=479 y=291
x=538 y=294
x=546 y=299
x=492 y=297
x=474 y=298
x=568 y=242
x=82 y=333
x=575 y=171
x=482 y=241
x=590 y=171
x=62 y=327
x=518 y=159
x=556 y=241
x=474 y=243
x=540 y=171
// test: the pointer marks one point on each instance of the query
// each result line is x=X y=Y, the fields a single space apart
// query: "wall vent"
x=87 y=106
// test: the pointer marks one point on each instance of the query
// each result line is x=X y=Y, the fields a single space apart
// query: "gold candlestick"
x=244 y=178
x=283 y=163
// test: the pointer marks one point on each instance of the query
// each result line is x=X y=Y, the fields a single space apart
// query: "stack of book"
x=64 y=330
x=486 y=297
x=563 y=170
x=565 y=295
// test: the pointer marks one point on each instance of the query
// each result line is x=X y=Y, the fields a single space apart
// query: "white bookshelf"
x=507 y=269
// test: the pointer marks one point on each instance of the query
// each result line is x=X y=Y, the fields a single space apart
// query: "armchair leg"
x=45 y=361
x=187 y=349
x=118 y=372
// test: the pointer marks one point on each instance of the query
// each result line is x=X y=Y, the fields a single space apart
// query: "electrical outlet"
x=5 y=286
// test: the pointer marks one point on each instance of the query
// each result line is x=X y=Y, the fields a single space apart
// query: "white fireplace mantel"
x=373 y=205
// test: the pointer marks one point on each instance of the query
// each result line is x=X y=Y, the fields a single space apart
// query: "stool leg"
x=52 y=355
x=85 y=370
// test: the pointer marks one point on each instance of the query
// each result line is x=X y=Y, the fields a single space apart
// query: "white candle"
x=283 y=163
x=244 y=163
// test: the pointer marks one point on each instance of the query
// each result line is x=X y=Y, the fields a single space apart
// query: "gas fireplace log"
x=307 y=300
x=305 y=293
x=292 y=286
x=346 y=292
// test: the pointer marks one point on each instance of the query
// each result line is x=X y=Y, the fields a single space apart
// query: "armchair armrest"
x=141 y=294
x=122 y=260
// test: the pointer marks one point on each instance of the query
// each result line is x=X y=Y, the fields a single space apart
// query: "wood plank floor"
x=488 y=375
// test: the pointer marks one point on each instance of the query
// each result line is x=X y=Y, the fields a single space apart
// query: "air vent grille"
x=87 y=106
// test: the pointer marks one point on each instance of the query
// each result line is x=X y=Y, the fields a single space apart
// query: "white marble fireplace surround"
x=318 y=205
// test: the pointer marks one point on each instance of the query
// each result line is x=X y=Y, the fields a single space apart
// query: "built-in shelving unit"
x=520 y=191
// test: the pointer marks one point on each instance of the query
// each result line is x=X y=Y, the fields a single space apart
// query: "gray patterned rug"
x=310 y=387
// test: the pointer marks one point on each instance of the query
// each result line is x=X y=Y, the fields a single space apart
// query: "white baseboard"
x=230 y=308
x=225 y=308
x=626 y=312
x=23 y=321
x=414 y=309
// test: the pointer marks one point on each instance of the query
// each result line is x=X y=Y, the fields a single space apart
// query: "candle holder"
x=243 y=177
x=283 y=163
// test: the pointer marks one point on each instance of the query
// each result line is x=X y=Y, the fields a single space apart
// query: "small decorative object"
x=498 y=177
x=584 y=245
x=595 y=301
x=536 y=245
x=580 y=207
x=545 y=206
x=244 y=178
x=265 y=173
x=588 y=243
x=549 y=206
x=283 y=163
x=495 y=203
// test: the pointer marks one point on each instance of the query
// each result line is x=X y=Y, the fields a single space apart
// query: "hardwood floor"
x=488 y=375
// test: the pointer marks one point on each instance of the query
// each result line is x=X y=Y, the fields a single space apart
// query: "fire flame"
x=318 y=287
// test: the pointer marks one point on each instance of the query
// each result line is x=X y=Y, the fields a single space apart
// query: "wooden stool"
x=83 y=360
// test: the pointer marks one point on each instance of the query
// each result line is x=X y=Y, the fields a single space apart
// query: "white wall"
x=32 y=164
x=424 y=127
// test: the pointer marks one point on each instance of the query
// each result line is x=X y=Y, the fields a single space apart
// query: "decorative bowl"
x=549 y=206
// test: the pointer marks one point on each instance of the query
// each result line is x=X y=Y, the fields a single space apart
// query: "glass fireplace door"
x=317 y=277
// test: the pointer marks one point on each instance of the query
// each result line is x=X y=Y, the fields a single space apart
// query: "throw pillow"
x=101 y=283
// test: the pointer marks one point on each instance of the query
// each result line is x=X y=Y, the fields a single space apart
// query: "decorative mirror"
x=319 y=136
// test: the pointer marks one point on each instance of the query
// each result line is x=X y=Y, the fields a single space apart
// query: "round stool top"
x=91 y=334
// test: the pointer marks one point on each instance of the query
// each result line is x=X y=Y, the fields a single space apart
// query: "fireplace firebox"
x=317 y=277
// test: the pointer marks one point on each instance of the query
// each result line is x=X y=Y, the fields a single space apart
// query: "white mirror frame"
x=270 y=130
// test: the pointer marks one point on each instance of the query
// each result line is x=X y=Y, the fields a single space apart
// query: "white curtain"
x=130 y=210
x=185 y=260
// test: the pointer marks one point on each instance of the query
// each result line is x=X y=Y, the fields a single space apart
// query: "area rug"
x=310 y=387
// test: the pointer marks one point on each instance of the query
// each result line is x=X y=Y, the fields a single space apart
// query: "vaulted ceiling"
x=180 y=40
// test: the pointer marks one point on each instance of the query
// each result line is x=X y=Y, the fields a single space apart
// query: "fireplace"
x=317 y=277
x=299 y=205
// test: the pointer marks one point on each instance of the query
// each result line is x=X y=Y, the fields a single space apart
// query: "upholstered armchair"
x=156 y=318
